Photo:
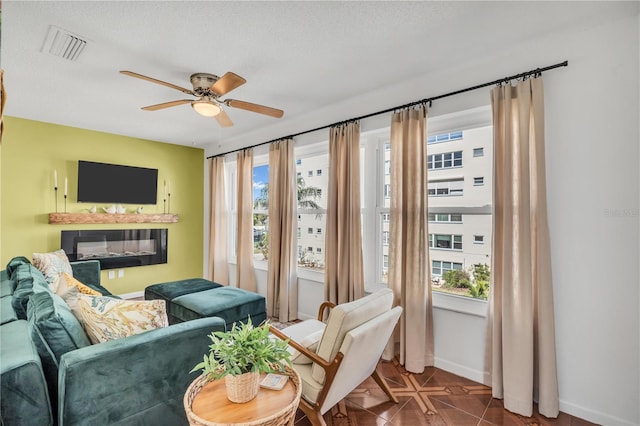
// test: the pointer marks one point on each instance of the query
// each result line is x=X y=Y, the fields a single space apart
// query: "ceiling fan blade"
x=223 y=119
x=227 y=83
x=166 y=105
x=260 y=109
x=154 y=80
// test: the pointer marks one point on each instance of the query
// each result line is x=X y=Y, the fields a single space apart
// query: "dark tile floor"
x=434 y=397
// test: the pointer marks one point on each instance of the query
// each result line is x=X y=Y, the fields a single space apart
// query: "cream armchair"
x=334 y=358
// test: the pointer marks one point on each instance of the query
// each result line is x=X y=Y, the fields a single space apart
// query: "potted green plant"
x=240 y=356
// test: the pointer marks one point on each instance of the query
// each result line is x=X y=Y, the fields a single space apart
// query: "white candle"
x=169 y=188
x=66 y=186
x=55 y=179
x=165 y=188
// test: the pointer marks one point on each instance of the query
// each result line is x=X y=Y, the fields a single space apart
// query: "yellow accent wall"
x=32 y=150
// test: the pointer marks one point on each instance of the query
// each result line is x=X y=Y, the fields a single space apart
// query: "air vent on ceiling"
x=63 y=44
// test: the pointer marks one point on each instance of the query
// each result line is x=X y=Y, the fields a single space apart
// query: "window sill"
x=461 y=304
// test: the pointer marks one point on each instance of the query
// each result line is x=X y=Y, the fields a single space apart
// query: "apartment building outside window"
x=459 y=211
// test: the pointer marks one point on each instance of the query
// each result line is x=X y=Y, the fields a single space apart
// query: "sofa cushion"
x=105 y=318
x=25 y=399
x=7 y=314
x=28 y=281
x=7 y=285
x=14 y=263
x=52 y=265
x=54 y=328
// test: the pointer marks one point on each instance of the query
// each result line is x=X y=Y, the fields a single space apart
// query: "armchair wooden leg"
x=313 y=414
x=383 y=384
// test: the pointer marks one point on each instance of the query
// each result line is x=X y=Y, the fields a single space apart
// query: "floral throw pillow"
x=52 y=265
x=105 y=318
x=68 y=281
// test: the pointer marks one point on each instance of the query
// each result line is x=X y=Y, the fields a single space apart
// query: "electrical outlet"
x=112 y=275
x=120 y=273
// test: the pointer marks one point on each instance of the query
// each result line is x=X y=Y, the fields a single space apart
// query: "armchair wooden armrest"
x=323 y=307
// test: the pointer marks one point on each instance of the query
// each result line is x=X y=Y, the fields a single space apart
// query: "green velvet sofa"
x=52 y=375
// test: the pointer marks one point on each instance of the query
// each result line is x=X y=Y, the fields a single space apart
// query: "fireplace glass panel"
x=117 y=248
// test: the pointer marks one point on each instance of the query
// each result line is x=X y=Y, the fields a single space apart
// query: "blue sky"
x=260 y=178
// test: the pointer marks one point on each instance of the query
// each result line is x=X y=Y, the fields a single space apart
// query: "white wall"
x=592 y=139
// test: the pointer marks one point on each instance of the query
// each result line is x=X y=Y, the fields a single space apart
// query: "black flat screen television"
x=112 y=183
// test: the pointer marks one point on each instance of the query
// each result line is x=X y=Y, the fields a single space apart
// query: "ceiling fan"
x=209 y=88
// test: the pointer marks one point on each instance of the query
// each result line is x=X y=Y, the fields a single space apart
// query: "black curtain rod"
x=536 y=72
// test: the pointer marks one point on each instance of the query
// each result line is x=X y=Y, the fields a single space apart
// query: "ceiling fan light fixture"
x=206 y=108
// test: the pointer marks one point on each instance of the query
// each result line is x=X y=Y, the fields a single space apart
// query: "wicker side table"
x=206 y=404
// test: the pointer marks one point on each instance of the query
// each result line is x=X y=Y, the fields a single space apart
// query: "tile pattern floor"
x=434 y=397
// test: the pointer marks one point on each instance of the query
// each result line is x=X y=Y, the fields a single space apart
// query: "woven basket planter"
x=242 y=388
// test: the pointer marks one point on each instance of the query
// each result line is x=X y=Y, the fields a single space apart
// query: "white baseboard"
x=303 y=317
x=461 y=370
x=593 y=416
x=134 y=295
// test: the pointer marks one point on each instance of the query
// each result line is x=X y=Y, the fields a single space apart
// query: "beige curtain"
x=522 y=332
x=282 y=293
x=218 y=263
x=3 y=101
x=409 y=265
x=344 y=280
x=245 y=276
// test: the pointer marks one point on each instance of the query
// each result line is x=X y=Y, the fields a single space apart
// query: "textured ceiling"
x=302 y=57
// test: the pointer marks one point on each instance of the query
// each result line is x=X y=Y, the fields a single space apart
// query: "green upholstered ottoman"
x=229 y=303
x=170 y=290
x=198 y=298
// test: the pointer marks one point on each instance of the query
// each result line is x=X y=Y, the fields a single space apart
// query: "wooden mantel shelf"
x=71 y=218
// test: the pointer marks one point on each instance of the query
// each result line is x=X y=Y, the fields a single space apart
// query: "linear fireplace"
x=117 y=248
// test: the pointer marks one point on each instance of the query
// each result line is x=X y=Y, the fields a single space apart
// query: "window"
x=445 y=241
x=439 y=268
x=299 y=174
x=385 y=262
x=444 y=137
x=478 y=239
x=385 y=238
x=387 y=190
x=260 y=211
x=478 y=181
x=386 y=217
x=298 y=162
x=445 y=160
x=445 y=188
x=312 y=205
x=445 y=217
x=299 y=233
x=387 y=167
x=478 y=152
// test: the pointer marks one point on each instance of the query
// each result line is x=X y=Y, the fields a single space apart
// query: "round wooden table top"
x=211 y=403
